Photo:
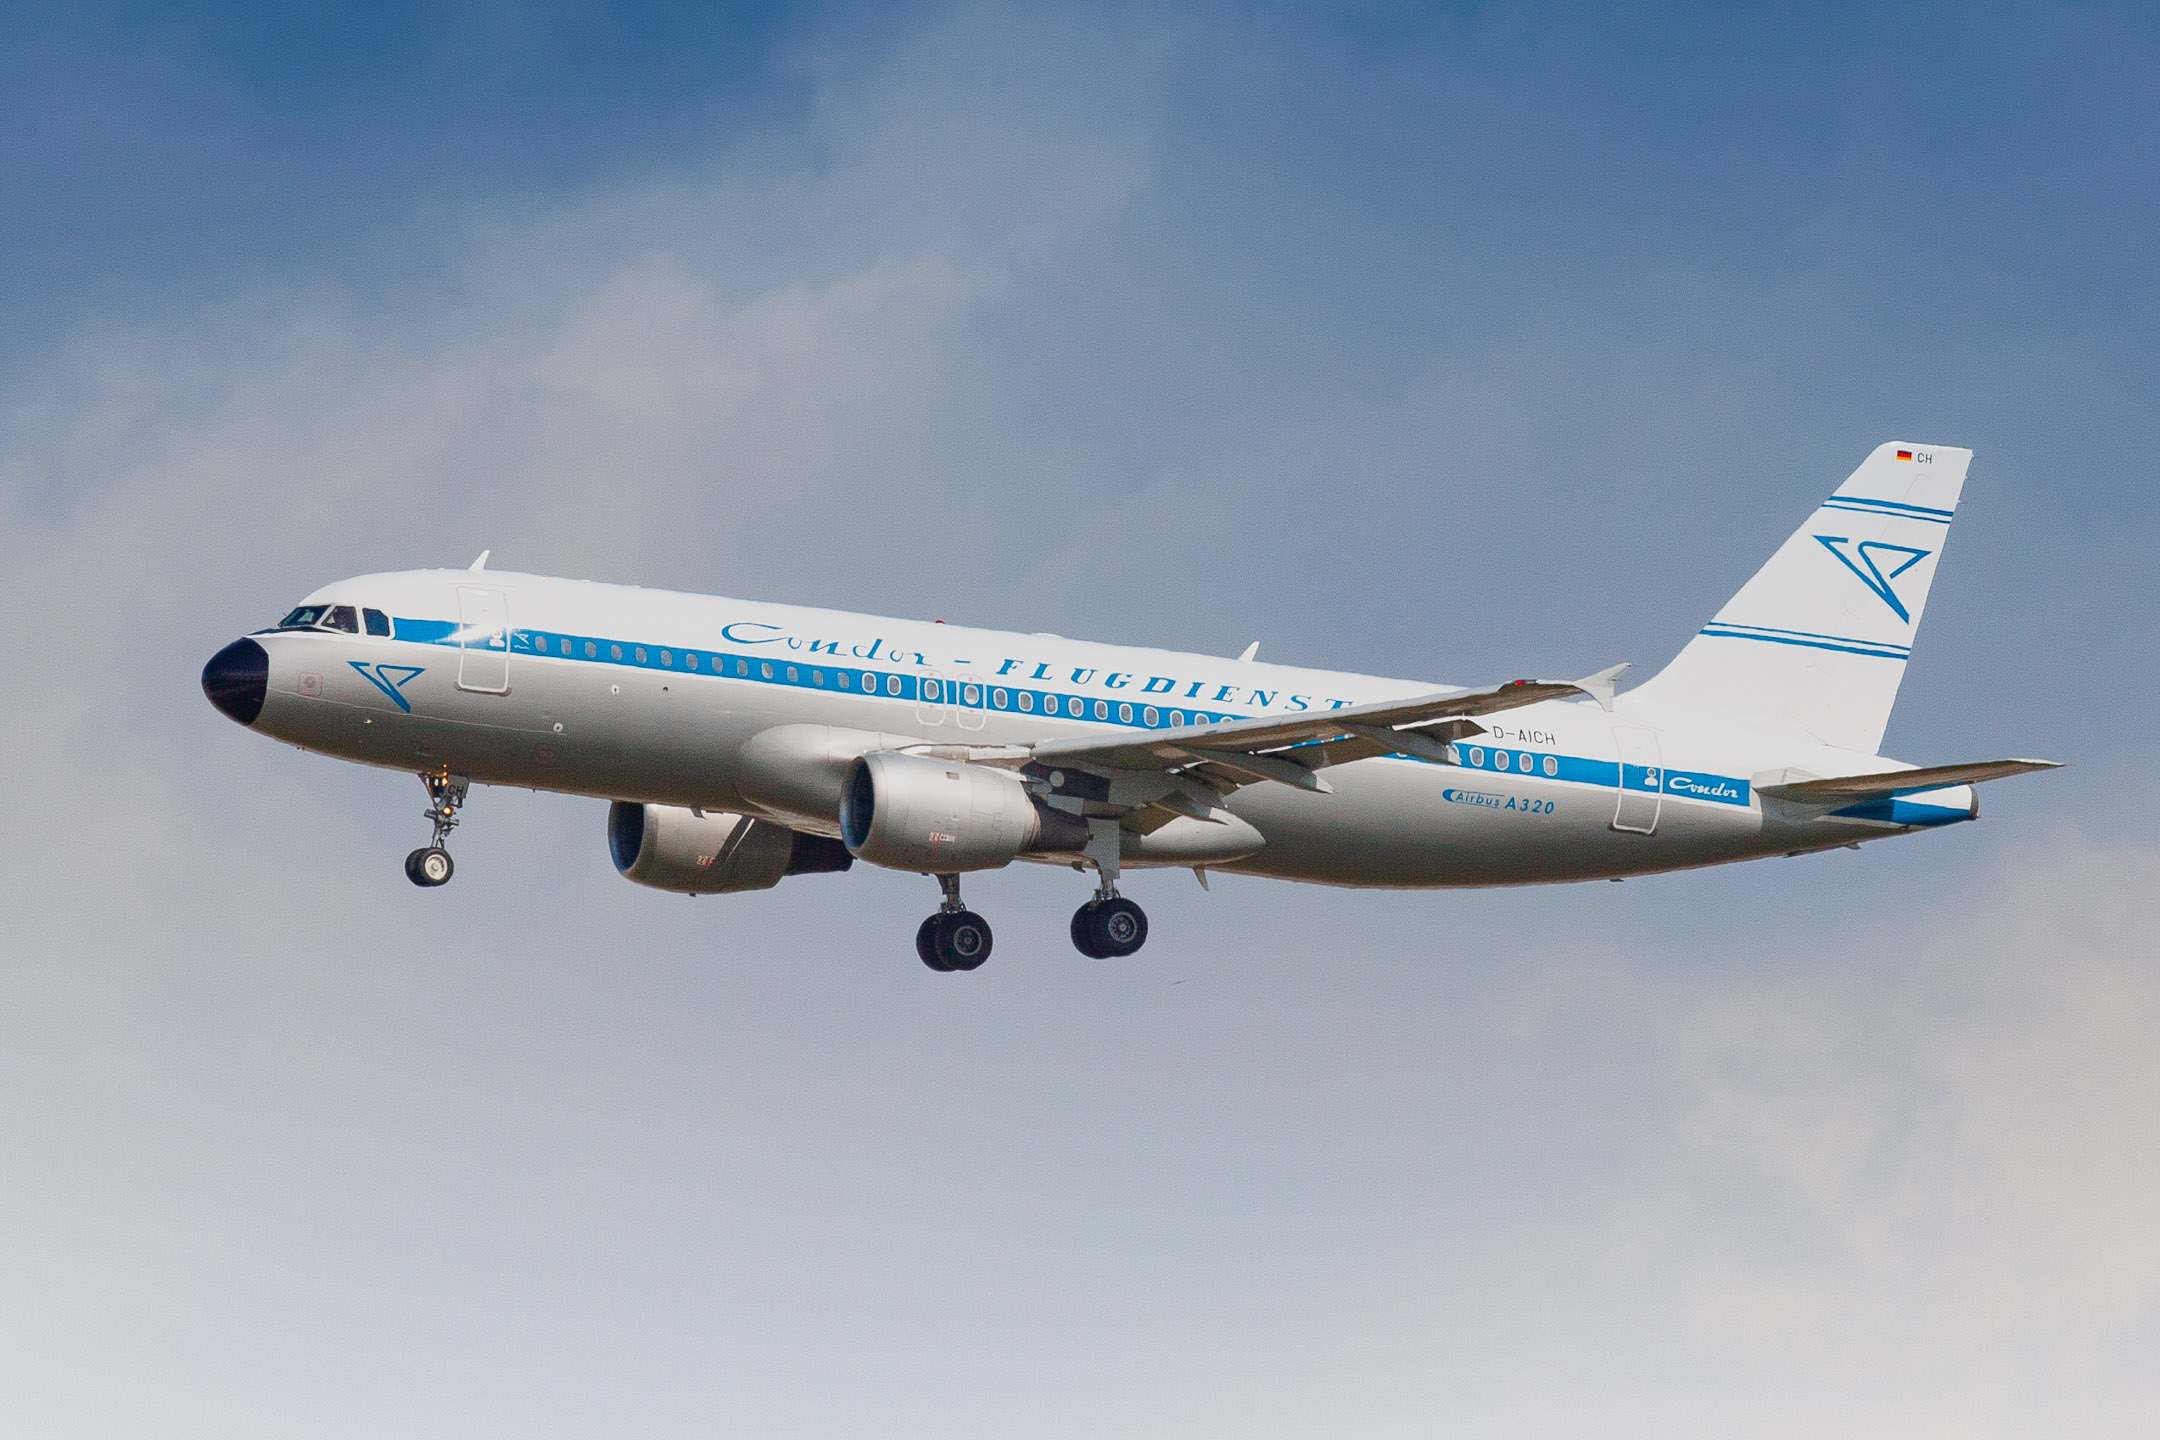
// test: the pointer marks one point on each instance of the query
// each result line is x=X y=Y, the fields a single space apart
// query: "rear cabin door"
x=1642 y=780
x=483 y=641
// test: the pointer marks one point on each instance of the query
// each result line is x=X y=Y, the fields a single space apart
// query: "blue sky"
x=1448 y=342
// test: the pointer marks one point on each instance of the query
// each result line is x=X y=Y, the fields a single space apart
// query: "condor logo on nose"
x=390 y=679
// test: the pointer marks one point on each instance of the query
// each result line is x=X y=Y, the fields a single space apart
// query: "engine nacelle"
x=670 y=848
x=938 y=817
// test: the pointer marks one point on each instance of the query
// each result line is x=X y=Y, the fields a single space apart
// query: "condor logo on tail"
x=1862 y=561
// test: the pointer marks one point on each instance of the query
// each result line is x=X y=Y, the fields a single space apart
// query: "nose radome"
x=237 y=678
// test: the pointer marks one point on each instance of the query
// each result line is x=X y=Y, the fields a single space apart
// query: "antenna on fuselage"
x=481 y=563
x=1250 y=651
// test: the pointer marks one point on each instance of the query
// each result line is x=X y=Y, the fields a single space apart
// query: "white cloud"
x=1959 y=1125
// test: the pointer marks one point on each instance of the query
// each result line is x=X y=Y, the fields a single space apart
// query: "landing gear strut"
x=430 y=865
x=1108 y=927
x=955 y=938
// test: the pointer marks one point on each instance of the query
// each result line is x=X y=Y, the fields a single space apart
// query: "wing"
x=1845 y=789
x=1187 y=772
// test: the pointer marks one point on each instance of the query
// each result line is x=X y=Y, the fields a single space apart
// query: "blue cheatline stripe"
x=1889 y=507
x=1573 y=769
x=1605 y=774
x=424 y=632
x=1875 y=650
x=888 y=684
x=855 y=678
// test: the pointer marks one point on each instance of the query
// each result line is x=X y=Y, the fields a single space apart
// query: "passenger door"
x=1642 y=780
x=483 y=641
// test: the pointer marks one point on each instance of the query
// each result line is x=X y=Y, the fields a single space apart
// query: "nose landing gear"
x=430 y=865
x=955 y=938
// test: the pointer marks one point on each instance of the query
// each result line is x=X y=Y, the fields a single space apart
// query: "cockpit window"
x=377 y=622
x=303 y=617
x=342 y=617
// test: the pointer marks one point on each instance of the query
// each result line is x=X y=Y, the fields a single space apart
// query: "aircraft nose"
x=237 y=678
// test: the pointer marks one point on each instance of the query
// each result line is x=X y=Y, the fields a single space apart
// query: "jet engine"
x=712 y=852
x=939 y=817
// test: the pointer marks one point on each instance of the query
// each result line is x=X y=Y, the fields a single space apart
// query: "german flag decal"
x=1904 y=454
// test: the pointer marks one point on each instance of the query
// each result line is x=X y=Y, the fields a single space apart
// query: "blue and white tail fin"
x=1818 y=639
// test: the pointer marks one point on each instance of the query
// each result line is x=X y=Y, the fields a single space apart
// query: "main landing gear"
x=1108 y=927
x=955 y=938
x=430 y=865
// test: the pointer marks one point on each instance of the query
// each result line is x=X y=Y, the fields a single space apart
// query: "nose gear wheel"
x=430 y=865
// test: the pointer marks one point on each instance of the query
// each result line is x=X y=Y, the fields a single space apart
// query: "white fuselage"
x=653 y=696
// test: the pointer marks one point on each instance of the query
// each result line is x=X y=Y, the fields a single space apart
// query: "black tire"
x=963 y=941
x=1083 y=930
x=1118 y=928
x=926 y=942
x=429 y=867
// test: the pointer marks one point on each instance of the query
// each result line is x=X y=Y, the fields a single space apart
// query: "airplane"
x=742 y=743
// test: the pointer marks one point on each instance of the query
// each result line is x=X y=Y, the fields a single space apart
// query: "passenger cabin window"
x=379 y=623
x=342 y=617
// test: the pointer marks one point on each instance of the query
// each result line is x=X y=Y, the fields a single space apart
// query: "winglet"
x=1599 y=687
x=481 y=562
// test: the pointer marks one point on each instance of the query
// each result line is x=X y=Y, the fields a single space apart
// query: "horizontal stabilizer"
x=1845 y=789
